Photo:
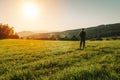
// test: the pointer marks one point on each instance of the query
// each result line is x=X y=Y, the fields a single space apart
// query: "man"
x=82 y=37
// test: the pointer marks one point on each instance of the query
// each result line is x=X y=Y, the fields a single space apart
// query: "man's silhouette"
x=82 y=39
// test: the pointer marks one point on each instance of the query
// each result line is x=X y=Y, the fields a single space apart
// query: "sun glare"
x=30 y=10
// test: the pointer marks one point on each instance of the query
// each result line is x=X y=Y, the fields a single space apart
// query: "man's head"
x=82 y=29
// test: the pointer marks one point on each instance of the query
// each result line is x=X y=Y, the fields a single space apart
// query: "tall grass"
x=59 y=60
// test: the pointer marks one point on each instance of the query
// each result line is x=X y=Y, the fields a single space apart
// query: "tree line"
x=93 y=33
x=7 y=32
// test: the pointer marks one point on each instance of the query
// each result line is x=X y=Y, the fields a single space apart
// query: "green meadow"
x=59 y=60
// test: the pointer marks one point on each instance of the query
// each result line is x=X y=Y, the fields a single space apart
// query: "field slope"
x=59 y=60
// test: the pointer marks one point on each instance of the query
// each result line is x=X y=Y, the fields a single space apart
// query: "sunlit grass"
x=59 y=60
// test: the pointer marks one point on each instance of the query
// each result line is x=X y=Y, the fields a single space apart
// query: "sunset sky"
x=58 y=15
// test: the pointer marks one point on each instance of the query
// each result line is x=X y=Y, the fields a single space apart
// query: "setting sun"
x=30 y=10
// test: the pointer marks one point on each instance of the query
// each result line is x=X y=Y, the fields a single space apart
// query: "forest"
x=109 y=31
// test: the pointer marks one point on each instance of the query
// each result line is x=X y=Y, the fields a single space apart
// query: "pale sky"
x=58 y=15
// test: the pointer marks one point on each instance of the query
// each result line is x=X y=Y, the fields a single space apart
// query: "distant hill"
x=25 y=33
x=108 y=30
x=96 y=32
